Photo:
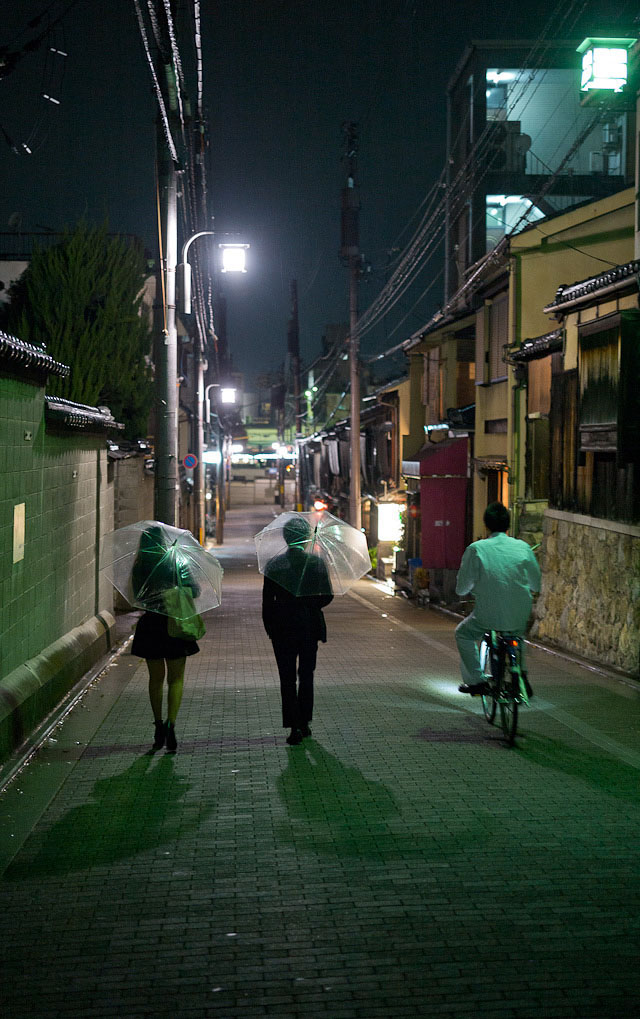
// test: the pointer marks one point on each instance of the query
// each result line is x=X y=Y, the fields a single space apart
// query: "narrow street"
x=404 y=861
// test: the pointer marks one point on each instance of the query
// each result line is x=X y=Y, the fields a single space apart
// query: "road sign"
x=190 y=461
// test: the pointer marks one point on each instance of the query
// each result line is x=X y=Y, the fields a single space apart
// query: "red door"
x=443 y=503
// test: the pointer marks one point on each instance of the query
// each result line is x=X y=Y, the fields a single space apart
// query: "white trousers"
x=469 y=633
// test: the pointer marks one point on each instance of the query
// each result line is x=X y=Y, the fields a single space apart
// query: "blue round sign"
x=190 y=461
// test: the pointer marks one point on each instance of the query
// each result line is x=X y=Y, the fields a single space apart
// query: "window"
x=498 y=337
x=537 y=457
x=595 y=422
x=539 y=387
x=498 y=486
x=495 y=426
x=432 y=386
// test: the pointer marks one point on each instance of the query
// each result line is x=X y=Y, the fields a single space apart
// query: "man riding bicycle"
x=501 y=573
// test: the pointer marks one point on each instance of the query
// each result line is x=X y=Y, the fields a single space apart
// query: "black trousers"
x=296 y=661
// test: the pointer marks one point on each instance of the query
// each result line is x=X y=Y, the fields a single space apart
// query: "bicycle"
x=500 y=653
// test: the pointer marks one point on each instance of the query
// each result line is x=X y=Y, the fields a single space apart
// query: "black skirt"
x=152 y=640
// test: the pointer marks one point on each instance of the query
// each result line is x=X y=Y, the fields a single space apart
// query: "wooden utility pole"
x=350 y=253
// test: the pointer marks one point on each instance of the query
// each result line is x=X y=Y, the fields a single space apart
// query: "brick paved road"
x=402 y=862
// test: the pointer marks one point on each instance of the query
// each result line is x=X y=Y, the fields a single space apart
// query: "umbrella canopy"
x=146 y=560
x=312 y=553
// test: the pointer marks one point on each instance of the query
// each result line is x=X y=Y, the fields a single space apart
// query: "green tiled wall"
x=62 y=479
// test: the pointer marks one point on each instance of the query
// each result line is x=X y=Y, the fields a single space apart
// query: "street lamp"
x=228 y=396
x=184 y=272
x=235 y=264
x=234 y=257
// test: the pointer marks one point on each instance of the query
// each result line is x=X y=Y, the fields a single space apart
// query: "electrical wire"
x=411 y=260
x=414 y=256
x=156 y=85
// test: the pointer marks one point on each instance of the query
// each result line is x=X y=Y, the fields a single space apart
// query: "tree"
x=82 y=299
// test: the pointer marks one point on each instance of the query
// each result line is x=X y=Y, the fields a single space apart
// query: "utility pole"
x=166 y=338
x=222 y=357
x=293 y=345
x=350 y=252
x=200 y=366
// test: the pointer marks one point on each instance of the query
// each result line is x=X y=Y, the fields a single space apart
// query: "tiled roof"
x=585 y=288
x=540 y=346
x=79 y=415
x=15 y=353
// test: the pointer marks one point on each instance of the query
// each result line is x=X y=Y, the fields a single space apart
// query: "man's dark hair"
x=497 y=517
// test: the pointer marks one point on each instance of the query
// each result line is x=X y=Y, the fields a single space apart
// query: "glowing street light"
x=234 y=257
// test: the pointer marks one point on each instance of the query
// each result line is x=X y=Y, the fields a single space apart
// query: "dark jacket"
x=290 y=618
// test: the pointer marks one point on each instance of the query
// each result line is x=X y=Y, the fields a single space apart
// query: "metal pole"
x=198 y=473
x=199 y=366
x=165 y=354
x=220 y=494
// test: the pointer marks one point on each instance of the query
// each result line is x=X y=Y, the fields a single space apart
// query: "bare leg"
x=156 y=682
x=175 y=679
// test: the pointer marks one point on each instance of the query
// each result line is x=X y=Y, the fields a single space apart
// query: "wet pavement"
x=403 y=861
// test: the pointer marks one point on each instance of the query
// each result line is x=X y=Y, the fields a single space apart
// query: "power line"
x=156 y=86
x=414 y=255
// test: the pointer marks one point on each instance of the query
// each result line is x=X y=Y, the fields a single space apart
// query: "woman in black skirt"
x=165 y=655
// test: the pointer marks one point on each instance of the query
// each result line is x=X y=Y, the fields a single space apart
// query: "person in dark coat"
x=153 y=573
x=295 y=624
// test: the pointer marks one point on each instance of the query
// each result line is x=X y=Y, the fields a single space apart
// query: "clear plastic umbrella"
x=312 y=553
x=149 y=560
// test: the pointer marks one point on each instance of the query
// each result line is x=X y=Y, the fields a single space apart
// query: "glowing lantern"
x=604 y=63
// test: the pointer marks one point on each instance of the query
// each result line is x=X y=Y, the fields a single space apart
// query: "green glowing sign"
x=604 y=63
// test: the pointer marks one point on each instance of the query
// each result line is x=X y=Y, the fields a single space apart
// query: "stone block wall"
x=590 y=598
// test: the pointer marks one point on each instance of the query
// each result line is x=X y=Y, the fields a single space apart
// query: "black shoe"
x=474 y=688
x=305 y=730
x=294 y=738
x=172 y=743
x=160 y=736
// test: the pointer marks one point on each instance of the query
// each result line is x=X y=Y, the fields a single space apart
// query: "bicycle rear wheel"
x=489 y=702
x=509 y=706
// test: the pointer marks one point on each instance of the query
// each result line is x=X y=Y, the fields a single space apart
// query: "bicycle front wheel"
x=488 y=699
x=509 y=707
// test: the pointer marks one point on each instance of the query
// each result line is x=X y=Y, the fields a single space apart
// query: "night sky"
x=279 y=79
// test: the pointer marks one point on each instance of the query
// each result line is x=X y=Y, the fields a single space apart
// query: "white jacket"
x=501 y=573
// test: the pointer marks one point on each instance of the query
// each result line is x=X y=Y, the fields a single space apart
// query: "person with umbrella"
x=296 y=588
x=167 y=573
x=155 y=571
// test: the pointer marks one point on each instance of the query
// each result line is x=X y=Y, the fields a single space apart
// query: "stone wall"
x=590 y=598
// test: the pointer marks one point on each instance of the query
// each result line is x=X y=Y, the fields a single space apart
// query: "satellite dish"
x=15 y=221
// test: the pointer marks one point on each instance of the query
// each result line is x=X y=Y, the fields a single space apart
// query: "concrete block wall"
x=133 y=491
x=56 y=589
x=590 y=598
x=57 y=585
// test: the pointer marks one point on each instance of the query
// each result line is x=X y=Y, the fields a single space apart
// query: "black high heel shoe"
x=172 y=743
x=160 y=736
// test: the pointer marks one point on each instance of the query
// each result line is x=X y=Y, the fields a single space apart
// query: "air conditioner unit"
x=506 y=147
x=596 y=162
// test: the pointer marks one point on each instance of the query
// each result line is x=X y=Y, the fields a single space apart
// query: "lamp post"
x=184 y=283
x=227 y=395
x=233 y=260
